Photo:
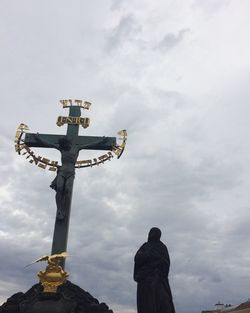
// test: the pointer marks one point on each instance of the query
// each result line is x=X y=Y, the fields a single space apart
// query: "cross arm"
x=42 y=140
x=95 y=143
x=81 y=142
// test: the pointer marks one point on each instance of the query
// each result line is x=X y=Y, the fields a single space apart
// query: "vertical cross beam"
x=73 y=129
x=61 y=229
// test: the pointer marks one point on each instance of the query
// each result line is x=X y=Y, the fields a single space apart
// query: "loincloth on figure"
x=65 y=174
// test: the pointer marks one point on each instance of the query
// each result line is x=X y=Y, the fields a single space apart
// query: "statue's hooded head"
x=154 y=235
x=65 y=143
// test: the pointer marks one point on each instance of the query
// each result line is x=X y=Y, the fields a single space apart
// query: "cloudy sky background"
x=175 y=74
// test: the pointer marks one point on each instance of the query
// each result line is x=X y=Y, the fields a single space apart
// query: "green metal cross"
x=69 y=146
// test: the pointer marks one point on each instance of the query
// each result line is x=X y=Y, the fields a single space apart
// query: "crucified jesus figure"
x=63 y=182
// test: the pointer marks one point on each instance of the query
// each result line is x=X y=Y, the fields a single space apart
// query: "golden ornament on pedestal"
x=53 y=276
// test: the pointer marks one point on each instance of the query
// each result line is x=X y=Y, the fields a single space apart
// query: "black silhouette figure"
x=151 y=270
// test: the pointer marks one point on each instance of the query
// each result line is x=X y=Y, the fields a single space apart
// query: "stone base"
x=69 y=299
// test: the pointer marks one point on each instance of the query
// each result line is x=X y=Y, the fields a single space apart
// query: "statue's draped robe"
x=151 y=270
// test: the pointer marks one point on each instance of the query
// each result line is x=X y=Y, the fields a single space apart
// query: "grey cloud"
x=116 y=4
x=125 y=31
x=172 y=98
x=171 y=40
x=211 y=6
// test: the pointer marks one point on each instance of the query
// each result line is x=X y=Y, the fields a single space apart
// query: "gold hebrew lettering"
x=117 y=150
x=33 y=157
x=44 y=160
x=86 y=105
x=59 y=121
x=86 y=122
x=19 y=147
x=78 y=102
x=23 y=127
x=41 y=165
x=82 y=162
x=87 y=161
x=37 y=159
x=123 y=133
x=64 y=103
x=18 y=133
x=77 y=164
x=53 y=169
x=103 y=157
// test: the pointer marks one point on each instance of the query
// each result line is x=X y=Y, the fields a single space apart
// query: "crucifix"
x=69 y=146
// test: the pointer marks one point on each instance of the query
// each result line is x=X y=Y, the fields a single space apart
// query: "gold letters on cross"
x=84 y=121
x=69 y=102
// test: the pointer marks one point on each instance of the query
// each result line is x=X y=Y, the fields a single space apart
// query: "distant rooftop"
x=228 y=308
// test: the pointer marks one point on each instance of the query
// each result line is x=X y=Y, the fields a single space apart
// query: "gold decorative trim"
x=44 y=163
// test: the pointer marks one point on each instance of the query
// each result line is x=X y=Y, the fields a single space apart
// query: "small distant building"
x=228 y=308
x=218 y=307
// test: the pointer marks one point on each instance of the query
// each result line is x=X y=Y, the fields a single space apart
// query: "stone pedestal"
x=69 y=298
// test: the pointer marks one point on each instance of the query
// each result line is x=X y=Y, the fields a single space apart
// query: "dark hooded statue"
x=151 y=274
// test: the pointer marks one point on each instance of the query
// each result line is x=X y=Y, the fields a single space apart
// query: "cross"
x=69 y=146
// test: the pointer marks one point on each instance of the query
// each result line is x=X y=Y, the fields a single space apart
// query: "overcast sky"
x=175 y=74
